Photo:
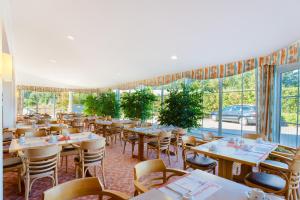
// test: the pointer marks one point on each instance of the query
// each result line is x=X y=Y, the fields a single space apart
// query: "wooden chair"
x=55 y=130
x=40 y=163
x=278 y=180
x=161 y=144
x=71 y=130
x=78 y=123
x=195 y=161
x=39 y=133
x=91 y=155
x=21 y=131
x=116 y=130
x=80 y=188
x=176 y=140
x=253 y=136
x=129 y=137
x=69 y=150
x=13 y=164
x=144 y=170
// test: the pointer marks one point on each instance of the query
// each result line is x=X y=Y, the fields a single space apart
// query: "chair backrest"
x=188 y=141
x=164 y=139
x=39 y=133
x=80 y=188
x=147 y=167
x=117 y=127
x=53 y=122
x=71 y=130
x=41 y=160
x=21 y=131
x=253 y=136
x=55 y=129
x=179 y=132
x=92 y=151
x=41 y=121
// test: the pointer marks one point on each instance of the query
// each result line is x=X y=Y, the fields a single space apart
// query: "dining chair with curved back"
x=253 y=136
x=193 y=160
x=40 y=163
x=91 y=155
x=161 y=144
x=21 y=131
x=55 y=130
x=82 y=187
x=78 y=123
x=176 y=140
x=116 y=130
x=130 y=137
x=278 y=180
x=68 y=150
x=144 y=178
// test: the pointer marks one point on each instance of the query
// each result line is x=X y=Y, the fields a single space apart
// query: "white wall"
x=9 y=104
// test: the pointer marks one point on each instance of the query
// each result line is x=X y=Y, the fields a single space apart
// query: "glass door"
x=289 y=120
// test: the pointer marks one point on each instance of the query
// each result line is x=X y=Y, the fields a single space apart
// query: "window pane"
x=249 y=80
x=232 y=83
x=231 y=113
x=210 y=105
x=289 y=110
x=289 y=83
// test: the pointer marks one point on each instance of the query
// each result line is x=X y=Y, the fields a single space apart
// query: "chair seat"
x=201 y=161
x=276 y=163
x=173 y=140
x=12 y=162
x=269 y=181
x=153 y=143
x=69 y=151
x=133 y=138
x=76 y=160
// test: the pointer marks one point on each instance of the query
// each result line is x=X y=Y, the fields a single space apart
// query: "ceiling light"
x=52 y=61
x=174 y=57
x=70 y=37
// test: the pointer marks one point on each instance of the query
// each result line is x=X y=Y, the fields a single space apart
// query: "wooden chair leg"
x=132 y=148
x=168 y=151
x=135 y=193
x=124 y=147
x=102 y=173
x=27 y=182
x=56 y=176
x=19 y=181
x=66 y=164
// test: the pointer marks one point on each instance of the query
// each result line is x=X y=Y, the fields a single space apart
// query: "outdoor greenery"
x=183 y=107
x=138 y=104
x=237 y=90
x=104 y=104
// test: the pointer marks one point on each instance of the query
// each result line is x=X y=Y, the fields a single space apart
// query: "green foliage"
x=91 y=105
x=109 y=106
x=138 y=104
x=105 y=104
x=183 y=107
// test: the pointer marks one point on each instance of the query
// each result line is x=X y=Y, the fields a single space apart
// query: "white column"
x=9 y=104
x=70 y=105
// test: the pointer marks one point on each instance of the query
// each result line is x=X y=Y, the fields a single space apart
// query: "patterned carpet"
x=118 y=174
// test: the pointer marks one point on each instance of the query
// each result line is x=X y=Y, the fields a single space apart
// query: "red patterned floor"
x=118 y=173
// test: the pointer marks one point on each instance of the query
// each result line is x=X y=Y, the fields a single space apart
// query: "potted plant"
x=138 y=104
x=183 y=108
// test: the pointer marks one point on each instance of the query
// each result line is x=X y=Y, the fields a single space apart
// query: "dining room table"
x=142 y=132
x=201 y=185
x=37 y=127
x=248 y=153
x=34 y=142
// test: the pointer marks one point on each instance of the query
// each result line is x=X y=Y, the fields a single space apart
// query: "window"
x=289 y=96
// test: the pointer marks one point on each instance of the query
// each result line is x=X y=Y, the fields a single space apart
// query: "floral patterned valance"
x=54 y=89
x=288 y=55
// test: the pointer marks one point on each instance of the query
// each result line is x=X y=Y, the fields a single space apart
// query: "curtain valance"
x=288 y=55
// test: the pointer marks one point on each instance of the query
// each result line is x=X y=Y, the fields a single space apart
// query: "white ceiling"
x=119 y=41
